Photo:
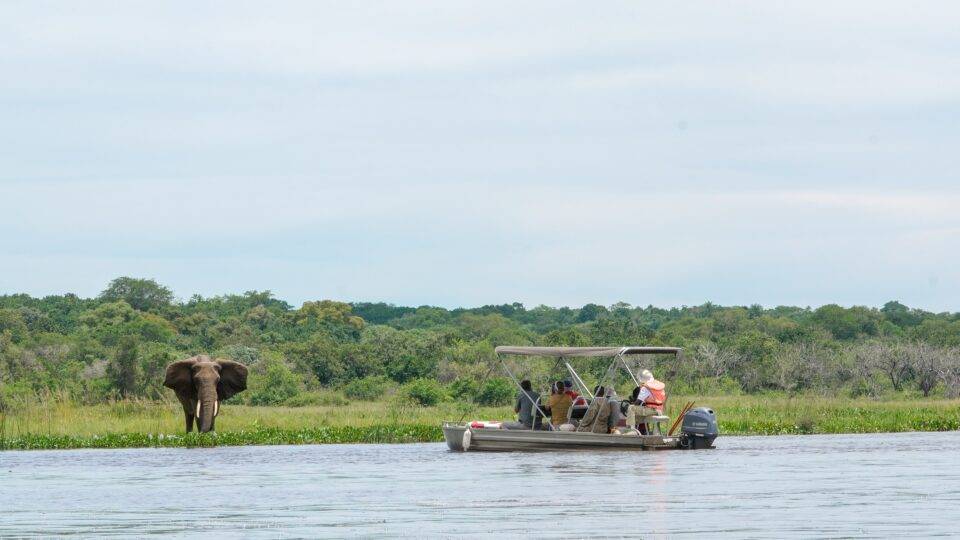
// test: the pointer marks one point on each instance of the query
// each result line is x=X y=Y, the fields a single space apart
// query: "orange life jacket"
x=658 y=396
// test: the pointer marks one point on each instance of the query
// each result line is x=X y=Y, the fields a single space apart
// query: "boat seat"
x=657 y=422
x=577 y=411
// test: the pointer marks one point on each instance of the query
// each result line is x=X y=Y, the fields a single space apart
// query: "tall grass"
x=60 y=423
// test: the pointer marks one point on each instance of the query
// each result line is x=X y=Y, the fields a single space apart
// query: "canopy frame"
x=584 y=352
x=563 y=353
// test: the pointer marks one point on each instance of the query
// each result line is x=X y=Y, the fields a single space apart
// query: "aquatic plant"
x=263 y=436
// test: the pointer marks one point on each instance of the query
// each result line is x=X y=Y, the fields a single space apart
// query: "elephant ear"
x=180 y=377
x=233 y=379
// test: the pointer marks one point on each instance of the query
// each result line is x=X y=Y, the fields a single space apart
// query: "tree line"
x=117 y=345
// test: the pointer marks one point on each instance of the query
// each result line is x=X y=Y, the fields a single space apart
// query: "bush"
x=409 y=366
x=464 y=389
x=274 y=386
x=496 y=392
x=367 y=388
x=15 y=395
x=240 y=353
x=424 y=391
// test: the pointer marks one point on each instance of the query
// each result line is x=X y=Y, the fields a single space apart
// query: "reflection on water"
x=856 y=485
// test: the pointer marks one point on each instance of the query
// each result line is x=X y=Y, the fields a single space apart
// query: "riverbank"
x=160 y=424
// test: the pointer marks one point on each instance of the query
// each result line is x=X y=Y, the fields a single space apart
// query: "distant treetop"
x=141 y=294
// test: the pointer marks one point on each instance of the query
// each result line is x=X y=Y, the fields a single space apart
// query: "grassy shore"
x=160 y=424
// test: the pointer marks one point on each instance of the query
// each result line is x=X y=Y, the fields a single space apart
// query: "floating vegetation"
x=262 y=436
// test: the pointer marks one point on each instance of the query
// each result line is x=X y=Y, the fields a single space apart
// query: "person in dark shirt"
x=524 y=406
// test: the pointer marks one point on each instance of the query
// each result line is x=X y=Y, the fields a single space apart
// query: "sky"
x=471 y=153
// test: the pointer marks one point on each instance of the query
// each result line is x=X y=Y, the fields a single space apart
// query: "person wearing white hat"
x=648 y=400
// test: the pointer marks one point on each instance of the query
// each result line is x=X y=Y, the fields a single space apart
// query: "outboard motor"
x=699 y=428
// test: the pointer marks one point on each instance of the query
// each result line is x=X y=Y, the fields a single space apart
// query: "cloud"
x=472 y=153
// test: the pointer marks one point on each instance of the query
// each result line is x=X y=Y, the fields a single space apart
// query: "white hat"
x=645 y=376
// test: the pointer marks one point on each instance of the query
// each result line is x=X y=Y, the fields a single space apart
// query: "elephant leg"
x=189 y=418
x=213 y=424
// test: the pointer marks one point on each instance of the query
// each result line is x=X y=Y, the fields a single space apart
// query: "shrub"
x=496 y=392
x=15 y=395
x=424 y=391
x=409 y=366
x=276 y=385
x=240 y=353
x=464 y=389
x=367 y=388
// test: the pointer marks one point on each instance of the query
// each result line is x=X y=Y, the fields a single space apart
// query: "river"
x=791 y=486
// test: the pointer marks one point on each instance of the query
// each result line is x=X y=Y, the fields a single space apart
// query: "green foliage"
x=424 y=391
x=111 y=321
x=464 y=388
x=847 y=323
x=496 y=391
x=141 y=294
x=367 y=388
x=272 y=383
x=590 y=312
x=379 y=313
x=407 y=366
x=124 y=368
x=332 y=317
x=13 y=325
x=319 y=356
x=119 y=344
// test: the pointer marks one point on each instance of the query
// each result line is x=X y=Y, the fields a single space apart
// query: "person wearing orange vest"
x=650 y=398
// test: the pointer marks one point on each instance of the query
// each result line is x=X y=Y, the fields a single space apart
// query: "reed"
x=124 y=424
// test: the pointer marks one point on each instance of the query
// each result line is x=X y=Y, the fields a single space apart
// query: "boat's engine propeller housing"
x=699 y=428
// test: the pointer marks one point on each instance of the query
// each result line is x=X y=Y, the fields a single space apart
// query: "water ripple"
x=750 y=487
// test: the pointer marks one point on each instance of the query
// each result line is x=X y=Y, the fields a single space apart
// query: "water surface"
x=802 y=486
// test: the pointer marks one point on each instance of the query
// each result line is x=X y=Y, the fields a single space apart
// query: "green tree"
x=901 y=315
x=590 y=312
x=141 y=294
x=12 y=324
x=320 y=356
x=846 y=323
x=124 y=368
x=110 y=321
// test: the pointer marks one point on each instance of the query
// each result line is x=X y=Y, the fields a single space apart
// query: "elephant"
x=201 y=384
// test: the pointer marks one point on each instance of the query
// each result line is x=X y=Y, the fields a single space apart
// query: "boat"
x=697 y=426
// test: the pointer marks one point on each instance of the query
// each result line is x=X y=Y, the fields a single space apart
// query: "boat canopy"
x=594 y=352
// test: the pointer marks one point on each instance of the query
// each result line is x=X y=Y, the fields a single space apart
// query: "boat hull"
x=464 y=438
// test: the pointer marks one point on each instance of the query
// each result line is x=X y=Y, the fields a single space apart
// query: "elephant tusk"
x=198 y=409
x=216 y=408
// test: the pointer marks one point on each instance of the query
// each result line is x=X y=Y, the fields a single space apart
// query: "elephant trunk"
x=207 y=406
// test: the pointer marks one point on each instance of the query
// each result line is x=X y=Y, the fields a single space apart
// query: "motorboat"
x=697 y=426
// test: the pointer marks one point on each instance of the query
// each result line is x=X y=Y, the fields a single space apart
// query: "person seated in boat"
x=597 y=415
x=524 y=406
x=616 y=418
x=538 y=416
x=558 y=407
x=578 y=400
x=648 y=400
x=553 y=392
